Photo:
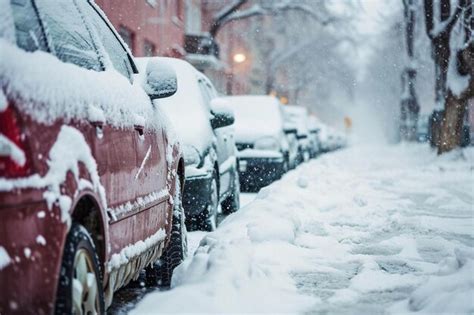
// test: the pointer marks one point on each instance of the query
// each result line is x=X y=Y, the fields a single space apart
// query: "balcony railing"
x=201 y=44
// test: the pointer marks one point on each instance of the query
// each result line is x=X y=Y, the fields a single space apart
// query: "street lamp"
x=239 y=58
x=236 y=59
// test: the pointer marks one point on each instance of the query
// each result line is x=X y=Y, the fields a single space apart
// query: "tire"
x=160 y=273
x=207 y=219
x=80 y=289
x=232 y=202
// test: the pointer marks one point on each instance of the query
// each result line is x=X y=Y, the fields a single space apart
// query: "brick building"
x=179 y=29
x=233 y=77
x=149 y=27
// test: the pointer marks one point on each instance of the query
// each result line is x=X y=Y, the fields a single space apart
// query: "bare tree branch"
x=223 y=14
x=258 y=10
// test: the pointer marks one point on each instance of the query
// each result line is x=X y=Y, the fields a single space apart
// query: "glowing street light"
x=239 y=58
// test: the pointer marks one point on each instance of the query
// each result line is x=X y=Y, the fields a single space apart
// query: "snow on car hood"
x=186 y=108
x=256 y=117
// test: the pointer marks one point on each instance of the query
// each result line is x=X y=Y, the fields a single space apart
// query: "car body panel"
x=131 y=195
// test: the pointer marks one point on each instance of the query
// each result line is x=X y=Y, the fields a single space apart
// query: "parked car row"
x=105 y=159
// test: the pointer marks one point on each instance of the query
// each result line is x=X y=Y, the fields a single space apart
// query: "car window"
x=113 y=48
x=212 y=90
x=67 y=33
x=205 y=93
x=29 y=34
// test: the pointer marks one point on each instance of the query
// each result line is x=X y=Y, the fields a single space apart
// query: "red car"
x=90 y=176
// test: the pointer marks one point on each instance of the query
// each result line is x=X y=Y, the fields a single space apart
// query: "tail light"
x=9 y=128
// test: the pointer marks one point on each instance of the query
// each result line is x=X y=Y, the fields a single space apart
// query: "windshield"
x=255 y=117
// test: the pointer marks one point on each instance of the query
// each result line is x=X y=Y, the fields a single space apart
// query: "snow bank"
x=236 y=265
x=342 y=234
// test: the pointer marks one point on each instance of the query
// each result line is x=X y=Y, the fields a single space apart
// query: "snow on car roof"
x=296 y=116
x=186 y=108
x=48 y=89
x=256 y=116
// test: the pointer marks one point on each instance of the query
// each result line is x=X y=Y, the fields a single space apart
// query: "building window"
x=127 y=36
x=152 y=3
x=148 y=49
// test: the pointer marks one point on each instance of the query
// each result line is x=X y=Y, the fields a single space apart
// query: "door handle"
x=139 y=129
x=99 y=128
x=97 y=124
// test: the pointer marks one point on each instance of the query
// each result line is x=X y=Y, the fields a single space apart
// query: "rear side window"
x=28 y=31
x=205 y=93
x=67 y=32
x=113 y=48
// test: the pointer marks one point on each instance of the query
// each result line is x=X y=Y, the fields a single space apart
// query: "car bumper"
x=257 y=172
x=32 y=236
x=196 y=195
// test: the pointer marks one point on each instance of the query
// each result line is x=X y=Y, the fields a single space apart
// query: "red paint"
x=29 y=283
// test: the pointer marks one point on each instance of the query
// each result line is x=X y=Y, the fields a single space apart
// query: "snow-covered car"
x=297 y=116
x=422 y=128
x=293 y=145
x=90 y=182
x=324 y=133
x=203 y=125
x=263 y=147
x=334 y=139
x=314 y=128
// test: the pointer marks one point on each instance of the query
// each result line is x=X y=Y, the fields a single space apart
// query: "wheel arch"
x=88 y=212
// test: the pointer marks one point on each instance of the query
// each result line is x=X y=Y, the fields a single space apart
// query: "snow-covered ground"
x=362 y=230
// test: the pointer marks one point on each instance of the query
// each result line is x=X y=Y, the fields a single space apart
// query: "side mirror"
x=289 y=131
x=222 y=114
x=160 y=79
x=221 y=119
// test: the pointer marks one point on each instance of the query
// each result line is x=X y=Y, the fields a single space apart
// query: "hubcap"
x=85 y=296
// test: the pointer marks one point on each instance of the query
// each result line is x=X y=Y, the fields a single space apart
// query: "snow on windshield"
x=255 y=117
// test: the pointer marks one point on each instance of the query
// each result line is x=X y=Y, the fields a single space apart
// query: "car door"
x=135 y=166
x=224 y=140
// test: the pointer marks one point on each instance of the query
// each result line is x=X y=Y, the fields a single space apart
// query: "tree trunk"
x=452 y=125
x=452 y=132
x=441 y=55
x=409 y=103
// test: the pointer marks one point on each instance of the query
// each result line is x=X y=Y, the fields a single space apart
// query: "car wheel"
x=160 y=273
x=210 y=220
x=80 y=288
x=232 y=202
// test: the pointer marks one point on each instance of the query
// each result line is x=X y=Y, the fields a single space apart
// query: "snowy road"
x=363 y=230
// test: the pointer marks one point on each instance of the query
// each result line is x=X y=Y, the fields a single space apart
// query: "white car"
x=260 y=139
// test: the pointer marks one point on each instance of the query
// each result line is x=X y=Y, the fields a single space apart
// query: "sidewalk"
x=363 y=230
